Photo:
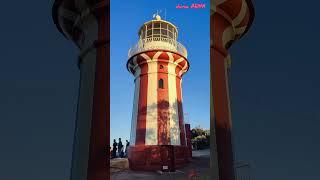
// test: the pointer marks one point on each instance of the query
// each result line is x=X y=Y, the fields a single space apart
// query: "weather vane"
x=158 y=12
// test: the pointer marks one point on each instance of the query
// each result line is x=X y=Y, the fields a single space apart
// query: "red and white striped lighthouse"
x=157 y=62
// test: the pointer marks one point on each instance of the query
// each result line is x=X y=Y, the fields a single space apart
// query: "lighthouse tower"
x=86 y=23
x=230 y=20
x=157 y=62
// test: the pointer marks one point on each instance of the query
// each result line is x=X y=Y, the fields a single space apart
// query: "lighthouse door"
x=167 y=158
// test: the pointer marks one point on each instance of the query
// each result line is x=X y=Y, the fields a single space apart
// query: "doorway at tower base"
x=158 y=157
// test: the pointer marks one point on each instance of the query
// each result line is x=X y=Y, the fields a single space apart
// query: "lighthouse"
x=157 y=62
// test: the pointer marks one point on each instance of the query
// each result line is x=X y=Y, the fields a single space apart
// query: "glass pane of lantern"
x=156 y=31
x=163 y=32
x=164 y=25
x=156 y=25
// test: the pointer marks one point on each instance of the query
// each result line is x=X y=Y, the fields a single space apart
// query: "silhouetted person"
x=114 y=149
x=120 y=148
x=127 y=146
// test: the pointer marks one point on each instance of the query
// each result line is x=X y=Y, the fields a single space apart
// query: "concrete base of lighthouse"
x=158 y=157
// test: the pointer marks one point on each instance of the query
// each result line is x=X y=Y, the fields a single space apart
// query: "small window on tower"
x=161 y=66
x=161 y=85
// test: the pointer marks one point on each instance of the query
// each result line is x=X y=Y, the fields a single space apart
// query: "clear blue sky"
x=126 y=18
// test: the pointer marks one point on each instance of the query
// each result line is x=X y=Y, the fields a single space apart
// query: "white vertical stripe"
x=135 y=107
x=145 y=56
x=185 y=67
x=185 y=133
x=137 y=73
x=152 y=102
x=179 y=60
x=241 y=15
x=80 y=155
x=173 y=106
x=171 y=58
x=134 y=62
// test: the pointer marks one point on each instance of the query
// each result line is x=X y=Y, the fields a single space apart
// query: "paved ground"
x=201 y=153
x=199 y=166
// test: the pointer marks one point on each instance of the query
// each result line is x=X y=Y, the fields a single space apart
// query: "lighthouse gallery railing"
x=164 y=44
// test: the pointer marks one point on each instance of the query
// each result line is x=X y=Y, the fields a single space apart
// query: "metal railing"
x=163 y=44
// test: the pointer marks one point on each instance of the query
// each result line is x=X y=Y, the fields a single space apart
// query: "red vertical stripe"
x=163 y=103
x=142 y=106
x=222 y=119
x=98 y=165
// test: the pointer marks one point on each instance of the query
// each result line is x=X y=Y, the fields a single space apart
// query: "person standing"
x=120 y=148
x=114 y=149
x=127 y=146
